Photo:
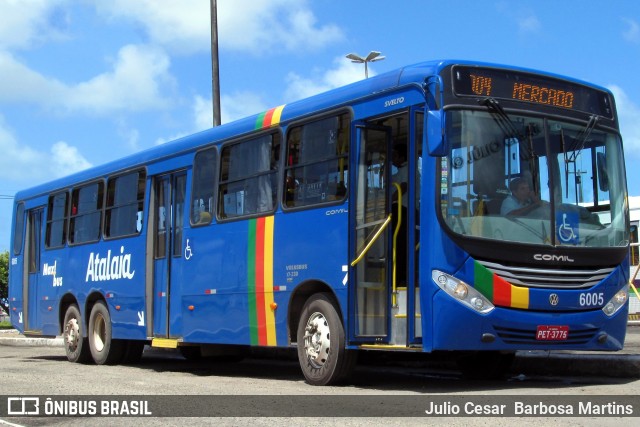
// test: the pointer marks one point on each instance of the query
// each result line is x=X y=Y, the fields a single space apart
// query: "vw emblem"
x=554 y=299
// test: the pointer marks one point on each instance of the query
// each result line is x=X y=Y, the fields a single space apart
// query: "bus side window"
x=57 y=217
x=18 y=230
x=317 y=162
x=86 y=213
x=203 y=186
x=125 y=199
x=247 y=177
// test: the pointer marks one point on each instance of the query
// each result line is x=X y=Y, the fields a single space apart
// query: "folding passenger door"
x=384 y=243
x=168 y=222
x=370 y=259
x=30 y=315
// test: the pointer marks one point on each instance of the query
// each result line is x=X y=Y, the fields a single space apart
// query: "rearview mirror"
x=434 y=120
x=435 y=134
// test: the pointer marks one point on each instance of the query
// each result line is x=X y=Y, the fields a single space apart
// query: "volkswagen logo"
x=554 y=299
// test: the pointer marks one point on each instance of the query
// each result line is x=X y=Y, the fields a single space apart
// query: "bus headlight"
x=462 y=292
x=617 y=302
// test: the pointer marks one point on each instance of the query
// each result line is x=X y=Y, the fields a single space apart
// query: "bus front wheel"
x=321 y=343
x=104 y=349
x=75 y=345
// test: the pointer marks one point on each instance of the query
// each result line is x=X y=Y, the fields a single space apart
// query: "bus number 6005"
x=591 y=299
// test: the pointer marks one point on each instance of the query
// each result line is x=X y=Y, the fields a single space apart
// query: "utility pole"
x=215 y=64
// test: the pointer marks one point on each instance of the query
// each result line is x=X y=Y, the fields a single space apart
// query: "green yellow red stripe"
x=499 y=291
x=269 y=118
x=262 y=325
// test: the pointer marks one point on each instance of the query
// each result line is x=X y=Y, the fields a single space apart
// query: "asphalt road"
x=44 y=371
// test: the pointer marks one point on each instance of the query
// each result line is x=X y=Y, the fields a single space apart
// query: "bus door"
x=168 y=221
x=371 y=260
x=384 y=252
x=30 y=285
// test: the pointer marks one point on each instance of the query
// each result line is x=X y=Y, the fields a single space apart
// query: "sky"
x=84 y=82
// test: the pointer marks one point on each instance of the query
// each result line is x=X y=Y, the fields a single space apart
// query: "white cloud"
x=629 y=115
x=341 y=74
x=130 y=135
x=17 y=161
x=524 y=17
x=25 y=23
x=21 y=163
x=203 y=113
x=66 y=159
x=134 y=83
x=233 y=107
x=242 y=104
x=632 y=32
x=202 y=119
x=529 y=24
x=258 y=26
x=239 y=105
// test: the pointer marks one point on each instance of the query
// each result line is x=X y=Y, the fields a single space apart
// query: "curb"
x=31 y=342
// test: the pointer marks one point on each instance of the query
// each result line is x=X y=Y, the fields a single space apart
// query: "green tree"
x=4 y=281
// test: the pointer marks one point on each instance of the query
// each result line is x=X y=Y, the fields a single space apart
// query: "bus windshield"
x=525 y=179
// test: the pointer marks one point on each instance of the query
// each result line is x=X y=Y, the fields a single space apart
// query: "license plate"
x=552 y=333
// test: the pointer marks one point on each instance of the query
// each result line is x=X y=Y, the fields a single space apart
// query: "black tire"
x=485 y=365
x=321 y=343
x=104 y=349
x=133 y=351
x=75 y=345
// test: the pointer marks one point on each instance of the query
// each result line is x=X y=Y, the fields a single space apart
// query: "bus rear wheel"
x=75 y=345
x=104 y=349
x=321 y=343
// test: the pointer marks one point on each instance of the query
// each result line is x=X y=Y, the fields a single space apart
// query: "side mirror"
x=435 y=134
x=434 y=120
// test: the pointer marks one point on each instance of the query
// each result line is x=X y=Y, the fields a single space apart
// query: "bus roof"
x=411 y=74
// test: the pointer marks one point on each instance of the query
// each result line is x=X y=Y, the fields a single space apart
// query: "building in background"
x=634 y=217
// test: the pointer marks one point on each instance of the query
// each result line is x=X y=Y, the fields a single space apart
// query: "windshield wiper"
x=505 y=123
x=581 y=139
x=576 y=147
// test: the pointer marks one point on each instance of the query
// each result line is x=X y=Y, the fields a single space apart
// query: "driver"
x=522 y=200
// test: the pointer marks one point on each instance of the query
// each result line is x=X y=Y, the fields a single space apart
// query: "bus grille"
x=528 y=336
x=548 y=277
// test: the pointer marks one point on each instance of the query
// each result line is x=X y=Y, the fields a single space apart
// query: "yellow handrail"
x=632 y=279
x=395 y=238
x=371 y=242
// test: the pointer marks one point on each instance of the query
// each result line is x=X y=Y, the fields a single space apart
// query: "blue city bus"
x=370 y=217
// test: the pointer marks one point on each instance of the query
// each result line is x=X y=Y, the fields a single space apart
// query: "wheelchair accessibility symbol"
x=187 y=251
x=568 y=228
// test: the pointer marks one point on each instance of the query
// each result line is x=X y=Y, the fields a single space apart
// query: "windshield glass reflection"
x=530 y=180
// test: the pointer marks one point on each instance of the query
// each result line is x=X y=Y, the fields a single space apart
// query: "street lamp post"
x=373 y=56
x=215 y=65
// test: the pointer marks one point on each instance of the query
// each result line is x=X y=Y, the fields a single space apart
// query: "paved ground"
x=621 y=364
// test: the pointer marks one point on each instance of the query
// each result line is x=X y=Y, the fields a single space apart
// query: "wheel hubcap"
x=317 y=339
x=72 y=334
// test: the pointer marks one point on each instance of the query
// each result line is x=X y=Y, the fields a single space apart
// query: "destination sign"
x=532 y=88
